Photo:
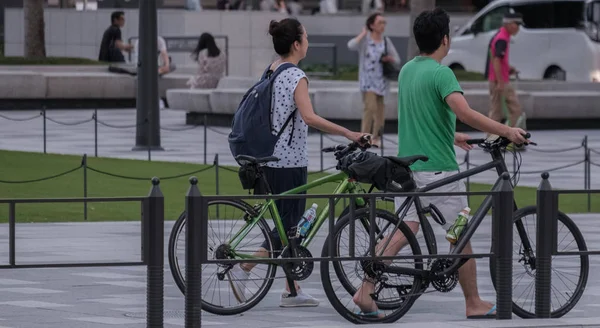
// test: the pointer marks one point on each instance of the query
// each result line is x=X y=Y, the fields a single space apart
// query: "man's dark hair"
x=116 y=15
x=371 y=19
x=429 y=30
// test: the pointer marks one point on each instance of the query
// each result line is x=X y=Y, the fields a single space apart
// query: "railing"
x=196 y=241
x=152 y=254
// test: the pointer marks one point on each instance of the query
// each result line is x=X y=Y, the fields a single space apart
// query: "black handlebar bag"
x=381 y=172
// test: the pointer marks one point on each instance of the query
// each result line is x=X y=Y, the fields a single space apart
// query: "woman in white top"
x=374 y=49
x=290 y=92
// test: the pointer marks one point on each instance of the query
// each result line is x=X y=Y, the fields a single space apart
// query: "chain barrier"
x=595 y=164
x=179 y=129
x=594 y=151
x=43 y=179
x=21 y=119
x=554 y=169
x=120 y=126
x=114 y=175
x=69 y=123
x=217 y=131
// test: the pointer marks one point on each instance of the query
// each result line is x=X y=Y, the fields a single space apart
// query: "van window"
x=490 y=21
x=551 y=14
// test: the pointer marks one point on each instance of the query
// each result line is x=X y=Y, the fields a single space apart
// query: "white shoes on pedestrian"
x=238 y=279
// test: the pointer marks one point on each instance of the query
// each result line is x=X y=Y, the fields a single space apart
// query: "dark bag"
x=390 y=71
x=381 y=172
x=252 y=129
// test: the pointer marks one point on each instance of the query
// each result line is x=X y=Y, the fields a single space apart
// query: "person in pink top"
x=498 y=71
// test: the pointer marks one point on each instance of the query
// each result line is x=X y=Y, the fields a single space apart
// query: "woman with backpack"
x=291 y=115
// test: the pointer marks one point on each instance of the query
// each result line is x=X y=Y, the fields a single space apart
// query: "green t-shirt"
x=426 y=124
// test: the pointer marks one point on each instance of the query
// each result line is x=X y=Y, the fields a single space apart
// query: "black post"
x=216 y=164
x=96 y=132
x=44 y=126
x=155 y=256
x=193 y=247
x=147 y=80
x=85 y=189
x=205 y=134
x=547 y=212
x=11 y=233
x=502 y=244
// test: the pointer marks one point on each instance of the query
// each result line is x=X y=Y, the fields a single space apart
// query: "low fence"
x=152 y=236
x=196 y=241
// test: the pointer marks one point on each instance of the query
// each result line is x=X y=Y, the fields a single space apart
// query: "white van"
x=560 y=39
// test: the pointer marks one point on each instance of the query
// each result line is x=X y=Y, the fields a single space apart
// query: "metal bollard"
x=154 y=239
x=193 y=247
x=547 y=215
x=503 y=231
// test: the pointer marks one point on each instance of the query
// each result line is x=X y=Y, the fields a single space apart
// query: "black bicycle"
x=400 y=283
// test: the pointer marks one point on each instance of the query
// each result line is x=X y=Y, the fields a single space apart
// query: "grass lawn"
x=27 y=166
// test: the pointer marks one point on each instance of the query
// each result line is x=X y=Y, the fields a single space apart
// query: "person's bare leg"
x=262 y=252
x=362 y=297
x=467 y=277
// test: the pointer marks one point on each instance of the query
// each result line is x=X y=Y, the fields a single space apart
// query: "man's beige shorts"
x=449 y=206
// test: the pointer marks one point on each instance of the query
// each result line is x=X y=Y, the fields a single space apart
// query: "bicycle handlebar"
x=343 y=150
x=499 y=143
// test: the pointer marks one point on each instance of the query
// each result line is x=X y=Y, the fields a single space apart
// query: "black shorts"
x=290 y=210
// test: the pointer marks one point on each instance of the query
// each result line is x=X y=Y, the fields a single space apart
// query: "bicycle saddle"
x=254 y=160
x=407 y=161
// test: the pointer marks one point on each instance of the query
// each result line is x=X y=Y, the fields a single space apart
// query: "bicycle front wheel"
x=569 y=273
x=398 y=292
x=226 y=218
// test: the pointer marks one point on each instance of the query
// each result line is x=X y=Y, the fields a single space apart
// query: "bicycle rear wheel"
x=226 y=218
x=398 y=293
x=569 y=273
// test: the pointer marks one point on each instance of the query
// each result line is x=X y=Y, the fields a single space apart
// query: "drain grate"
x=167 y=314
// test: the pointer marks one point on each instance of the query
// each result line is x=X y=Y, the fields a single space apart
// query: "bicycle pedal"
x=374 y=296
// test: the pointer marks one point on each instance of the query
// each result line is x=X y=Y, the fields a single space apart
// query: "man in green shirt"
x=429 y=101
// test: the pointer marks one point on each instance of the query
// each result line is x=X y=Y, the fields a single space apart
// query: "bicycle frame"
x=496 y=163
x=345 y=185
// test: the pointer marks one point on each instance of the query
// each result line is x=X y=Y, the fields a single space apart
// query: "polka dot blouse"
x=291 y=148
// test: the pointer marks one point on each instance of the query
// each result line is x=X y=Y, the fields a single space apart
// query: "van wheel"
x=555 y=73
x=456 y=67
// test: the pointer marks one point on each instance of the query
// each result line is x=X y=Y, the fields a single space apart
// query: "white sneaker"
x=237 y=279
x=300 y=300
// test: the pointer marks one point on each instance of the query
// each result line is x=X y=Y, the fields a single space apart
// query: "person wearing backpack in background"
x=280 y=100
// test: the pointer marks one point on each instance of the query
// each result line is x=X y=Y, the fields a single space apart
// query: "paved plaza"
x=116 y=296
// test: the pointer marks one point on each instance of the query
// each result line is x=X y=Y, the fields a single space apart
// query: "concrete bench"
x=24 y=84
x=346 y=103
x=83 y=85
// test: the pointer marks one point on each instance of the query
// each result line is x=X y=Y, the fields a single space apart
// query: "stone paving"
x=115 y=296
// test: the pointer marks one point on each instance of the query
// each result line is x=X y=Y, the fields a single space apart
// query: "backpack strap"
x=272 y=77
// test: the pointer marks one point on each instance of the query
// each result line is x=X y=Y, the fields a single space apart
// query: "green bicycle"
x=236 y=230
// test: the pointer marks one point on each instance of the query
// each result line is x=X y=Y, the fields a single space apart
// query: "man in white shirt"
x=164 y=62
